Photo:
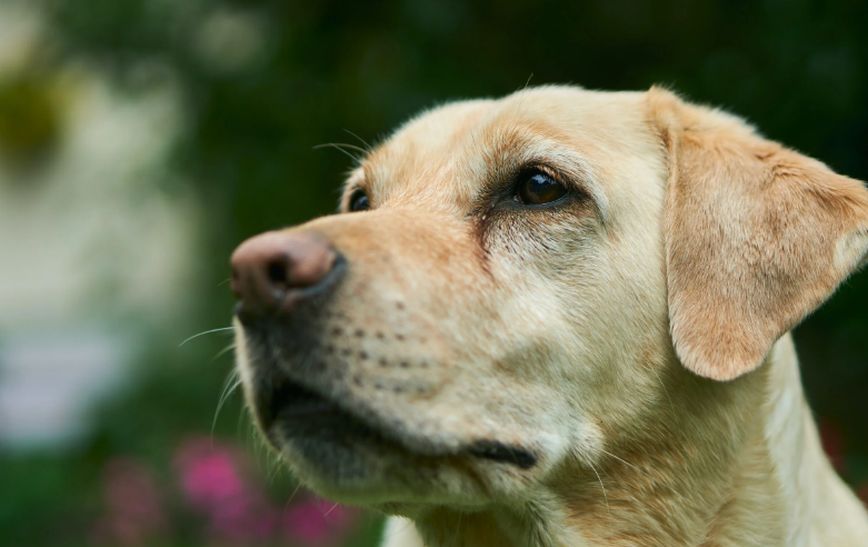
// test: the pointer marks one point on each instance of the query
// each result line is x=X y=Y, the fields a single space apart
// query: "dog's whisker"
x=603 y=488
x=344 y=149
x=365 y=143
x=273 y=467
x=350 y=146
x=260 y=448
x=292 y=495
x=231 y=384
x=270 y=459
x=622 y=460
x=225 y=282
x=203 y=333
x=224 y=351
x=332 y=508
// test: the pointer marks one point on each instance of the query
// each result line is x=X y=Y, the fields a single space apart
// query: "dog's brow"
x=357 y=176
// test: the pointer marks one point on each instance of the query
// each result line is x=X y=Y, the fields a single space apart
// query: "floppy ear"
x=756 y=236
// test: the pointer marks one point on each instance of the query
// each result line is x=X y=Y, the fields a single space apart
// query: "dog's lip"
x=295 y=404
x=298 y=404
x=502 y=452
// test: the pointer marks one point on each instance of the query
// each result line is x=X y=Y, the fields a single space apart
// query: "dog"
x=559 y=318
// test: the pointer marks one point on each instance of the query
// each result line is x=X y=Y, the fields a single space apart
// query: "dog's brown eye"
x=536 y=187
x=359 y=201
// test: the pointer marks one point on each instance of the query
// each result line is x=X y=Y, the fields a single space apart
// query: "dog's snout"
x=274 y=270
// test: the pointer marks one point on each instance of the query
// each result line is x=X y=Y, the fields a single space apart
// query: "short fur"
x=632 y=339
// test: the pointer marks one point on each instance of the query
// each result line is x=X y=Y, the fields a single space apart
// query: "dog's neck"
x=732 y=464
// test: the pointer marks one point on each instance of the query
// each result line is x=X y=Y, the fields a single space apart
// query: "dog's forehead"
x=450 y=147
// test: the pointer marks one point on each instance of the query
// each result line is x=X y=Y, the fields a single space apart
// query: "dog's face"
x=496 y=298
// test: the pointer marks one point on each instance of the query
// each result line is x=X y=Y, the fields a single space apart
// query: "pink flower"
x=209 y=474
x=215 y=481
x=317 y=522
x=133 y=509
x=212 y=483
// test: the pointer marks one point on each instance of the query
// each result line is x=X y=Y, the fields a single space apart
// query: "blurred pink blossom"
x=317 y=521
x=209 y=474
x=133 y=512
x=215 y=481
x=212 y=483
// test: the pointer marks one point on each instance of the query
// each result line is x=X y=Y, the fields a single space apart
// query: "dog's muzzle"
x=284 y=283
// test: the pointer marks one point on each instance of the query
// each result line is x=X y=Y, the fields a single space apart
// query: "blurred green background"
x=141 y=140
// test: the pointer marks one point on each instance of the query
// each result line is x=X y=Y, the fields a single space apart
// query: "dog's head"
x=511 y=283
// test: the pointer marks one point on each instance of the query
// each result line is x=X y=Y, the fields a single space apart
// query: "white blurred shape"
x=102 y=232
x=97 y=226
x=47 y=381
x=20 y=30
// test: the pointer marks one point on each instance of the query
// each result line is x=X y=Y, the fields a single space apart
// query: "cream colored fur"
x=633 y=338
x=783 y=492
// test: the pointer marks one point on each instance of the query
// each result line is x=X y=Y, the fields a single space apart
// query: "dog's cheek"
x=582 y=302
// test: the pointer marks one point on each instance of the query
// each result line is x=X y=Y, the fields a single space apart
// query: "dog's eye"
x=359 y=201
x=536 y=187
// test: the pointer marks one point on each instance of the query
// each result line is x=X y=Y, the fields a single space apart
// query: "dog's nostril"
x=270 y=267
x=277 y=272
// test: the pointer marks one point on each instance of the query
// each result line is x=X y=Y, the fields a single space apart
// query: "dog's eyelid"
x=358 y=199
x=576 y=176
x=350 y=189
x=357 y=179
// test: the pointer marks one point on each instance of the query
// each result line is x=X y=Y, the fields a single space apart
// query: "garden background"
x=141 y=140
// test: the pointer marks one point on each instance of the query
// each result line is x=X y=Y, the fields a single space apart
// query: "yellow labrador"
x=559 y=318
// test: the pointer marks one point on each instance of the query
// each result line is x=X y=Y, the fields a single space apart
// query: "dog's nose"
x=271 y=272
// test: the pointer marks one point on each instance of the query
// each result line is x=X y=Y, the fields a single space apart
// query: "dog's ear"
x=756 y=236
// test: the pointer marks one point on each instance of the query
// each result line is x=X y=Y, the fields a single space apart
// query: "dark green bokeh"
x=797 y=69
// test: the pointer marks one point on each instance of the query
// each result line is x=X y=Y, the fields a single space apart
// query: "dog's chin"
x=359 y=467
x=353 y=457
x=333 y=444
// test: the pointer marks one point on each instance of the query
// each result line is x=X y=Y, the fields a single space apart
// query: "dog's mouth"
x=301 y=414
x=299 y=411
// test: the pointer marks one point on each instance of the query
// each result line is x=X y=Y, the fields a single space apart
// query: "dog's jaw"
x=351 y=451
x=734 y=487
